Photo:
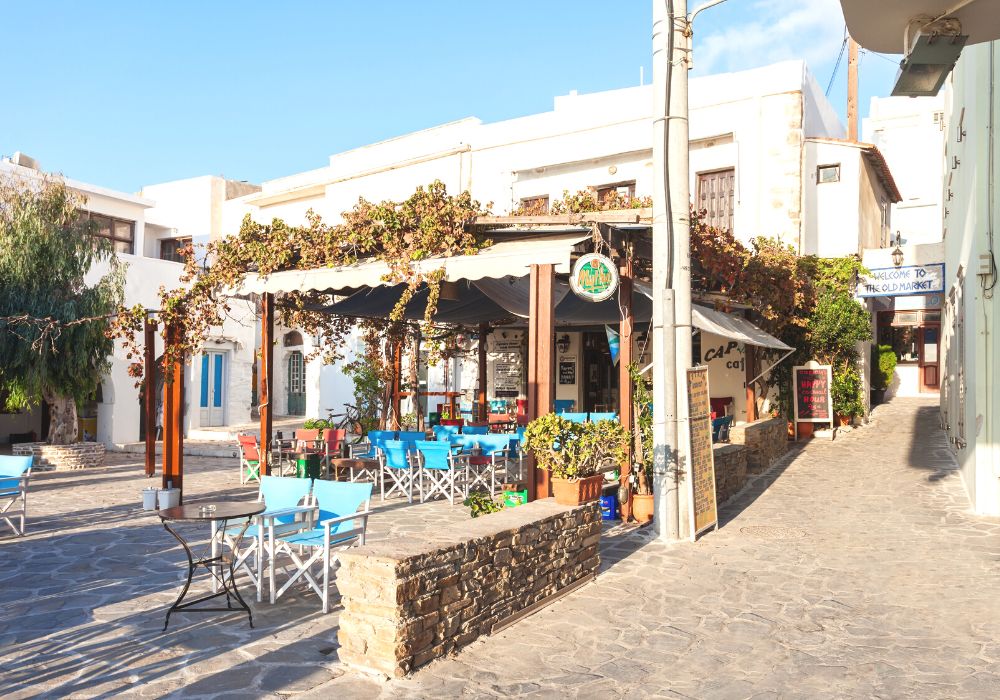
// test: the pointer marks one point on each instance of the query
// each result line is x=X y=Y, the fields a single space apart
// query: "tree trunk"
x=63 y=427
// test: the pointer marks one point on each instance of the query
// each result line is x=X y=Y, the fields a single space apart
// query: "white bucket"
x=169 y=498
x=149 y=498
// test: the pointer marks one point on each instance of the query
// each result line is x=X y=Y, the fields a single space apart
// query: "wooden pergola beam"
x=173 y=418
x=625 y=409
x=484 y=330
x=149 y=395
x=541 y=337
x=265 y=406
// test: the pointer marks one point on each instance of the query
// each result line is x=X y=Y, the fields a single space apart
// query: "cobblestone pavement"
x=852 y=569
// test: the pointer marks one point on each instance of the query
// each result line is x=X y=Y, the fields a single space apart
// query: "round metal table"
x=216 y=564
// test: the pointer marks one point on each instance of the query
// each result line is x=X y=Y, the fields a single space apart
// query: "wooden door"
x=930 y=337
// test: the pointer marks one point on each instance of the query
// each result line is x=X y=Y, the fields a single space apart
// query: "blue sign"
x=903 y=281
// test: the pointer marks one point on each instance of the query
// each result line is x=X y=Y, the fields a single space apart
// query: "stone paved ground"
x=853 y=569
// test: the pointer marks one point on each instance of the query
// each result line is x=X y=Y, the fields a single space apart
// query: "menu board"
x=811 y=383
x=567 y=370
x=703 y=507
x=507 y=367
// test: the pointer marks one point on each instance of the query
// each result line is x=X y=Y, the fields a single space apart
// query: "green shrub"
x=847 y=385
x=575 y=450
x=883 y=366
x=482 y=503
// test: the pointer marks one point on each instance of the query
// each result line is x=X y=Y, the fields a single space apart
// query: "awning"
x=509 y=258
x=734 y=327
x=726 y=325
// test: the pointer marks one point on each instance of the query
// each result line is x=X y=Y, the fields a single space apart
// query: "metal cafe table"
x=220 y=566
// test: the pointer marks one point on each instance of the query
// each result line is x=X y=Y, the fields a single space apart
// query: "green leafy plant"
x=642 y=399
x=482 y=503
x=575 y=450
x=320 y=424
x=846 y=390
x=883 y=366
x=369 y=388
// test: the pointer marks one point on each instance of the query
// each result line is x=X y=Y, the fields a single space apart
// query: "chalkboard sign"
x=702 y=482
x=567 y=370
x=811 y=383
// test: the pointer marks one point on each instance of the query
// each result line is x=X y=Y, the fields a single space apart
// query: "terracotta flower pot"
x=843 y=420
x=573 y=493
x=642 y=507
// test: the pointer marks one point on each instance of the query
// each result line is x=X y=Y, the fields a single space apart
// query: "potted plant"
x=846 y=393
x=575 y=454
x=641 y=480
x=883 y=369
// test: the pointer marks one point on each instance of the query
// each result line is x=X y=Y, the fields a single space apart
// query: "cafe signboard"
x=704 y=514
x=811 y=385
x=594 y=277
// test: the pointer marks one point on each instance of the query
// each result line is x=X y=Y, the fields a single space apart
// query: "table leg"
x=191 y=566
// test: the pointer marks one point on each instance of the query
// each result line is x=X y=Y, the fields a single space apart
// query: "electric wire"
x=836 y=66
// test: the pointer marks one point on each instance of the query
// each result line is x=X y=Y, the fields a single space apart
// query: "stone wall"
x=730 y=470
x=409 y=601
x=766 y=440
x=79 y=455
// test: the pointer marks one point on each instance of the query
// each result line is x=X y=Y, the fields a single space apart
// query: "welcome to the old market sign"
x=903 y=281
x=594 y=278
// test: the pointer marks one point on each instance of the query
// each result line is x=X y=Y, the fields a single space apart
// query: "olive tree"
x=54 y=327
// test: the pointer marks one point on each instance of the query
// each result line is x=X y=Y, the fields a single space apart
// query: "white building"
x=768 y=158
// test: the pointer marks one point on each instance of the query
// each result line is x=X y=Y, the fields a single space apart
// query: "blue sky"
x=126 y=94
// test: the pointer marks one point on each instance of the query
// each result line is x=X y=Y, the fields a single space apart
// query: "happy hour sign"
x=811 y=383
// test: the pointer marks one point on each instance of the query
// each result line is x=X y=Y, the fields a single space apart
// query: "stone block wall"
x=409 y=601
x=730 y=470
x=766 y=440
x=79 y=455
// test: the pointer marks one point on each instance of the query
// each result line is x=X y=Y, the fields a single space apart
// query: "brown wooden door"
x=716 y=197
x=930 y=338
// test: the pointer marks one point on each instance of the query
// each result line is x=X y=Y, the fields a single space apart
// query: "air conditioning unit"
x=24 y=160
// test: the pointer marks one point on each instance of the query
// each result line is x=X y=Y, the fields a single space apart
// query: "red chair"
x=453 y=421
x=306 y=440
x=249 y=458
x=333 y=441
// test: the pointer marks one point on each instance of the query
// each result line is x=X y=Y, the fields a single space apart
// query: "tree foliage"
x=54 y=342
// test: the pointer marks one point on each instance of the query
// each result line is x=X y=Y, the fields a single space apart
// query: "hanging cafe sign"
x=594 y=278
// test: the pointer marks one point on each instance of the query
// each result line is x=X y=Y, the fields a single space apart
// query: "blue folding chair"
x=411 y=435
x=596 y=417
x=475 y=430
x=720 y=428
x=283 y=501
x=341 y=519
x=564 y=405
x=369 y=448
x=443 y=432
x=14 y=474
x=439 y=469
x=397 y=468
x=494 y=458
x=575 y=417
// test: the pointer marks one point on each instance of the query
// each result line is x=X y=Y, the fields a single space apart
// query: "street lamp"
x=930 y=58
x=897 y=254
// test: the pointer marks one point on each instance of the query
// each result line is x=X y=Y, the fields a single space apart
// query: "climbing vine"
x=430 y=223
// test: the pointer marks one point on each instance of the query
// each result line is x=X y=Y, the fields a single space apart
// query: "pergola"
x=517 y=281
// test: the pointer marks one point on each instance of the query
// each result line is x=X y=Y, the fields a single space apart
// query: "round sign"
x=594 y=278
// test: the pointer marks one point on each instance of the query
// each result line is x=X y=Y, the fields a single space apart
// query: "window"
x=619 y=193
x=121 y=233
x=535 y=206
x=170 y=248
x=716 y=197
x=828 y=173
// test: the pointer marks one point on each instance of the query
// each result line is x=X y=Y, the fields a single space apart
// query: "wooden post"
x=266 y=408
x=173 y=418
x=149 y=396
x=541 y=336
x=415 y=379
x=397 y=370
x=625 y=411
x=750 y=367
x=852 y=90
x=484 y=411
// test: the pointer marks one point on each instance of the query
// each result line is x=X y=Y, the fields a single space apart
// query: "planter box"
x=573 y=493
